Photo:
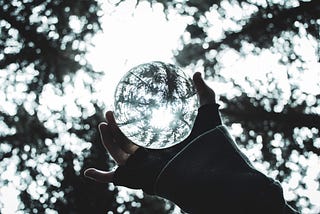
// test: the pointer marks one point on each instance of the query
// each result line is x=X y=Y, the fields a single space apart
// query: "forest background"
x=261 y=56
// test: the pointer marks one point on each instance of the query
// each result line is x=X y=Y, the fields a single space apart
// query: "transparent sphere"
x=155 y=105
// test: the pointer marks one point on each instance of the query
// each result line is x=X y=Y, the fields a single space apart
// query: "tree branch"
x=27 y=31
x=291 y=118
x=281 y=20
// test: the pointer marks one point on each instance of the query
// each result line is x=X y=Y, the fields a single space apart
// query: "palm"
x=116 y=143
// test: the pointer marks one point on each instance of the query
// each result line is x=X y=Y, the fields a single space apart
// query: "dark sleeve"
x=206 y=173
x=211 y=175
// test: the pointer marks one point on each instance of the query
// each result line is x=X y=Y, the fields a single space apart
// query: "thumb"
x=99 y=175
x=205 y=93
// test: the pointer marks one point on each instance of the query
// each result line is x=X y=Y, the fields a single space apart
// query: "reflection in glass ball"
x=155 y=105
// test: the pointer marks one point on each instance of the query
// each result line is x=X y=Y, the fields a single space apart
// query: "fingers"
x=205 y=93
x=111 y=145
x=118 y=135
x=99 y=175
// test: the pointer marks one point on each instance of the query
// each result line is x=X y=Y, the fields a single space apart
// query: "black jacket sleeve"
x=207 y=173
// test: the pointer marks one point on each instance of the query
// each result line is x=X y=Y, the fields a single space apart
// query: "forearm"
x=211 y=175
x=205 y=172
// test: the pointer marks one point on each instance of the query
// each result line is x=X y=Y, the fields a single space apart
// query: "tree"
x=45 y=124
x=50 y=111
x=273 y=111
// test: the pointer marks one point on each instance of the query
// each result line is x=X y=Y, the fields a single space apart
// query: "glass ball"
x=155 y=105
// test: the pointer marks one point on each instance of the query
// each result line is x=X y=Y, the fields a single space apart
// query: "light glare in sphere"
x=155 y=105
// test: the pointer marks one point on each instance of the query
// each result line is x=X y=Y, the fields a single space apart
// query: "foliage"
x=43 y=44
x=50 y=112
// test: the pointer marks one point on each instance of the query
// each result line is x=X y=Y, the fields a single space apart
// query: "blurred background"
x=60 y=62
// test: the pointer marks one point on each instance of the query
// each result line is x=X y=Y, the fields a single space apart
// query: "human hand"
x=121 y=148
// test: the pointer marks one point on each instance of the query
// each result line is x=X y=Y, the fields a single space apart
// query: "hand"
x=121 y=148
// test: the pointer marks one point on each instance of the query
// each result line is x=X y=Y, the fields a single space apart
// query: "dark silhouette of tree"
x=279 y=116
x=48 y=125
x=43 y=44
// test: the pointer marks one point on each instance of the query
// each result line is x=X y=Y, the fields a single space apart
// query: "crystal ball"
x=155 y=105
